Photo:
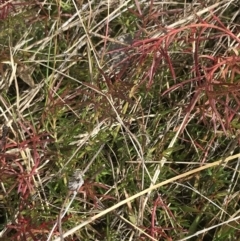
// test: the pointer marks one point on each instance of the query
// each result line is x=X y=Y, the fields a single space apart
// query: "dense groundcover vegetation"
x=119 y=120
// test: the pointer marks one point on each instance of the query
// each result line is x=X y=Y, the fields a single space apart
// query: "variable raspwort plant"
x=184 y=54
x=194 y=66
x=144 y=95
x=19 y=174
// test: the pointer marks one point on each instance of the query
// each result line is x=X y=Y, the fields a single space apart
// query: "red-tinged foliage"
x=89 y=190
x=155 y=231
x=25 y=228
x=7 y=7
x=215 y=78
x=18 y=174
